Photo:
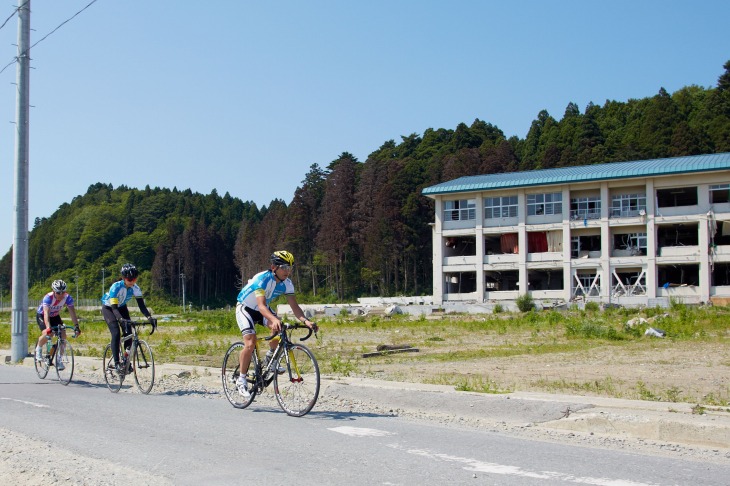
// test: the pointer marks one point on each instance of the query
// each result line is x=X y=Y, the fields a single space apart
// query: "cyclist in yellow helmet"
x=253 y=308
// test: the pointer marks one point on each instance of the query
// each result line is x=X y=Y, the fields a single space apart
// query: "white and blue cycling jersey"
x=120 y=294
x=54 y=305
x=266 y=284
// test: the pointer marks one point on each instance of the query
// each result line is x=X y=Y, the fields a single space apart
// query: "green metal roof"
x=584 y=173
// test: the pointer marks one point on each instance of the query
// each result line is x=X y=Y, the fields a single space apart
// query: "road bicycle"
x=57 y=350
x=296 y=389
x=141 y=364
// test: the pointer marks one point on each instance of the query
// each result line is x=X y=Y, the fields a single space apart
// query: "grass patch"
x=464 y=342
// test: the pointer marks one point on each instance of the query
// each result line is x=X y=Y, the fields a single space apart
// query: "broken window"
x=634 y=243
x=678 y=275
x=721 y=274
x=676 y=196
x=545 y=279
x=580 y=246
x=501 y=281
x=720 y=193
x=460 y=246
x=460 y=282
x=677 y=235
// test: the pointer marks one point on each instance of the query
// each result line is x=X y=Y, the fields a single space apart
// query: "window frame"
x=585 y=212
x=717 y=189
x=550 y=206
x=628 y=204
x=453 y=207
x=506 y=207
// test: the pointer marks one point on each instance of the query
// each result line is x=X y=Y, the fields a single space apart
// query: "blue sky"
x=243 y=97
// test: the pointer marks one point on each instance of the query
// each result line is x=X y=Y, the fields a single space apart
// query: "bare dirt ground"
x=664 y=370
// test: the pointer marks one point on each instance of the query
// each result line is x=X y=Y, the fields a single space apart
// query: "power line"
x=12 y=14
x=62 y=24
x=45 y=36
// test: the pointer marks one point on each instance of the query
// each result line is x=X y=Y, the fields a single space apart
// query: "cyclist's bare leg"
x=249 y=343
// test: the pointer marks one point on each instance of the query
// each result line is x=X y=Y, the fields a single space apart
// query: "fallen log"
x=391 y=350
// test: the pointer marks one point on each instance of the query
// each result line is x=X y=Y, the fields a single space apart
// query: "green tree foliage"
x=355 y=228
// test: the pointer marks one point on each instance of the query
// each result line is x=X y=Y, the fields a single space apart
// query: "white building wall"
x=604 y=265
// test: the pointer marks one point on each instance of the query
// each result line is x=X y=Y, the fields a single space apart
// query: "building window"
x=460 y=210
x=585 y=207
x=539 y=204
x=720 y=193
x=623 y=205
x=633 y=242
x=676 y=196
x=500 y=207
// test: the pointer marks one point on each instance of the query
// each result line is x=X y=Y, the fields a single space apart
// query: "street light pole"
x=103 y=287
x=182 y=277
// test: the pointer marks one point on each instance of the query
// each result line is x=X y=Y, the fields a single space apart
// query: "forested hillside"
x=356 y=228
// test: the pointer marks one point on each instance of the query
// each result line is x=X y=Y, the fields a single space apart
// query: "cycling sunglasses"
x=285 y=267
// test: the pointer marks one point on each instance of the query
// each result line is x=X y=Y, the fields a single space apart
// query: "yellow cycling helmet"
x=282 y=257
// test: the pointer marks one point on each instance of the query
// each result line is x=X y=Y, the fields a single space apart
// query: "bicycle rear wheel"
x=113 y=379
x=297 y=389
x=229 y=376
x=41 y=367
x=144 y=367
x=65 y=360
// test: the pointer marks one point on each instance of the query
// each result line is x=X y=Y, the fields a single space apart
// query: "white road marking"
x=361 y=432
x=39 y=405
x=493 y=468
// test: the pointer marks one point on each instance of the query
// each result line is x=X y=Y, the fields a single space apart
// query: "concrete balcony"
x=547 y=256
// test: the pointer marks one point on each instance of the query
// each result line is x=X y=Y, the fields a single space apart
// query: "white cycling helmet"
x=58 y=286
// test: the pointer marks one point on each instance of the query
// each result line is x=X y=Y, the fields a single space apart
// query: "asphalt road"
x=188 y=439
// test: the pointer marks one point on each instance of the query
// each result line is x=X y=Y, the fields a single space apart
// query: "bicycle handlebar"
x=60 y=327
x=285 y=326
x=141 y=323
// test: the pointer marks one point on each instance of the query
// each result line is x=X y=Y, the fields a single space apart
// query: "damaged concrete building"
x=628 y=233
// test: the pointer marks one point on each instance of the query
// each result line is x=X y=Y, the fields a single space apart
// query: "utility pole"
x=182 y=277
x=103 y=287
x=19 y=331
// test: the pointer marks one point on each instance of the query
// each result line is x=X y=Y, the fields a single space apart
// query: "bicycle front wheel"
x=65 y=362
x=144 y=367
x=297 y=389
x=41 y=367
x=229 y=376
x=113 y=379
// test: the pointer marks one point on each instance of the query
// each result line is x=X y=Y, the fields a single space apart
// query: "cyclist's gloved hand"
x=315 y=327
x=77 y=331
x=47 y=331
x=152 y=321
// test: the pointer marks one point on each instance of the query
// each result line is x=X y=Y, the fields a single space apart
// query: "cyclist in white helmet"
x=253 y=308
x=48 y=316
